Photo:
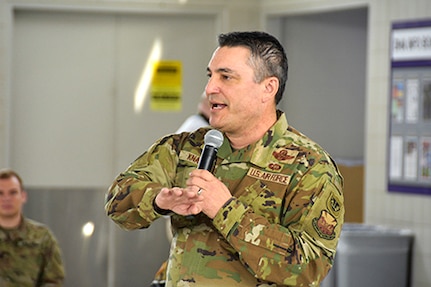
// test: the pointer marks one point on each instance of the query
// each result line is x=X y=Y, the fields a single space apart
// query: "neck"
x=249 y=136
x=10 y=222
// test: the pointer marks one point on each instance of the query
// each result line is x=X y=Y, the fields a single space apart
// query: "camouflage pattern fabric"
x=30 y=256
x=280 y=228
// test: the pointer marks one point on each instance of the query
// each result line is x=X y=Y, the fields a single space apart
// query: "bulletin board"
x=409 y=149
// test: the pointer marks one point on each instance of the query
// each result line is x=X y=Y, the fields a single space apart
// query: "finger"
x=200 y=173
x=177 y=191
x=191 y=191
x=200 y=190
x=194 y=209
x=165 y=191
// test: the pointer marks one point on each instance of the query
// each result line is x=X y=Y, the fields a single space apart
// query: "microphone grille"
x=213 y=138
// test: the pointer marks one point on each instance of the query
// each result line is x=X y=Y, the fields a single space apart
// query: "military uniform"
x=30 y=256
x=280 y=228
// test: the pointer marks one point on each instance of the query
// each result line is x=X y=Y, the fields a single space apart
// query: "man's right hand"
x=179 y=200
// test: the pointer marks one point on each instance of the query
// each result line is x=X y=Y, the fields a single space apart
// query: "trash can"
x=372 y=256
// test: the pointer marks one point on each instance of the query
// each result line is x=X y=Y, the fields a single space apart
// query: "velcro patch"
x=325 y=225
x=333 y=205
x=269 y=176
x=285 y=155
x=188 y=156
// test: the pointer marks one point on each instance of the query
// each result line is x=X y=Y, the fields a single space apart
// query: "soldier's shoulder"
x=34 y=223
x=294 y=140
x=186 y=136
x=300 y=148
x=36 y=228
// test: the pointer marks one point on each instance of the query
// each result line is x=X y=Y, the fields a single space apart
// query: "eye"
x=14 y=192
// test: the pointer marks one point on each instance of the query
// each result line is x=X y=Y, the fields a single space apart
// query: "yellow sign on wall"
x=166 y=86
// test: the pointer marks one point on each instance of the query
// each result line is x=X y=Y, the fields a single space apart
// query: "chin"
x=216 y=126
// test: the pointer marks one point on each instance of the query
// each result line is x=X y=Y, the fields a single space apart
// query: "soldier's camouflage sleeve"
x=129 y=201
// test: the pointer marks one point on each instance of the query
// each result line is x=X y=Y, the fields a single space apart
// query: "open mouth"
x=217 y=106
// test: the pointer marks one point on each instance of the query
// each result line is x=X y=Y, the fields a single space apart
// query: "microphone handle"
x=207 y=159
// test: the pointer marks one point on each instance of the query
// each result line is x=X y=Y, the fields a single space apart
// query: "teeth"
x=218 y=106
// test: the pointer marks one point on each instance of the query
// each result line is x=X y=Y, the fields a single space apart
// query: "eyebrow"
x=223 y=70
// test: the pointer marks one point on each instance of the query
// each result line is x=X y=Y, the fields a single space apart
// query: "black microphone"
x=213 y=140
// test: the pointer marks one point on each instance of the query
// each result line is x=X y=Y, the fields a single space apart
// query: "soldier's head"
x=12 y=195
x=267 y=56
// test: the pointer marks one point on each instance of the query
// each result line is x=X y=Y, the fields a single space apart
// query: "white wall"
x=111 y=47
x=63 y=94
x=73 y=90
x=326 y=85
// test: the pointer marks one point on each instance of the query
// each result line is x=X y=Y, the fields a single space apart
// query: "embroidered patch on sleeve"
x=325 y=225
x=334 y=206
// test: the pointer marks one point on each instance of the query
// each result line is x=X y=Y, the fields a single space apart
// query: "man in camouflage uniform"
x=271 y=212
x=29 y=253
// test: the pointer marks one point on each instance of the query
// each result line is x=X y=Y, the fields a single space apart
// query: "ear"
x=24 y=196
x=270 y=88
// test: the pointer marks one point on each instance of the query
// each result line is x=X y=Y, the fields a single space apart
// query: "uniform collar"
x=258 y=153
x=19 y=232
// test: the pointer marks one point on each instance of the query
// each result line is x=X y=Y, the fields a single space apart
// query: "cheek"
x=245 y=99
x=250 y=105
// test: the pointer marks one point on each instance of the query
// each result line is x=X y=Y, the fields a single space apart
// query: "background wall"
x=112 y=142
x=326 y=86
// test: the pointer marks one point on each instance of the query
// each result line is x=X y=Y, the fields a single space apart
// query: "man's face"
x=12 y=198
x=235 y=98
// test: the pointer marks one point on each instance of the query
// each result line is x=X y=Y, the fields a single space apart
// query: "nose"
x=211 y=87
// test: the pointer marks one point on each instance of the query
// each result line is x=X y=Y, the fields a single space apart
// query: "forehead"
x=233 y=58
x=11 y=182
